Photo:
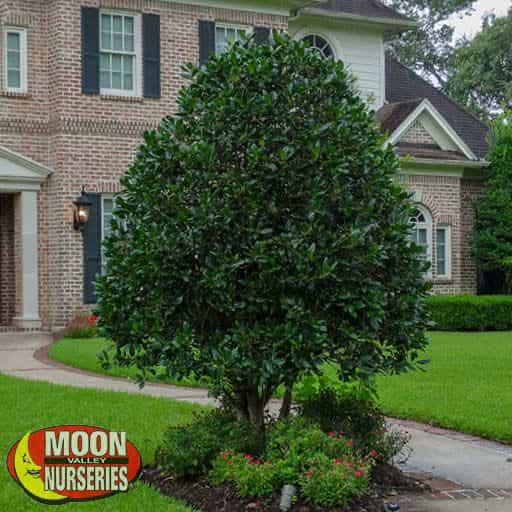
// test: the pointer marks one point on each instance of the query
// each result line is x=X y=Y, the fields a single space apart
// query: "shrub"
x=298 y=453
x=188 y=450
x=356 y=418
x=333 y=483
x=82 y=326
x=261 y=233
x=471 y=312
x=251 y=476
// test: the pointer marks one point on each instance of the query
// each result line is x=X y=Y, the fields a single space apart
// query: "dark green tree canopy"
x=492 y=240
x=429 y=48
x=481 y=69
x=260 y=233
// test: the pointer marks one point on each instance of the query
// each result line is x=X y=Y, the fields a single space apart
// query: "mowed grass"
x=83 y=354
x=30 y=405
x=466 y=386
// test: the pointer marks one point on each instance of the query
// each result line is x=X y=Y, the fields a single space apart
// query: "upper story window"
x=120 y=55
x=319 y=44
x=225 y=34
x=15 y=59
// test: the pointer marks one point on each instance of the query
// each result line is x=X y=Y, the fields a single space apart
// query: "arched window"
x=319 y=44
x=421 y=232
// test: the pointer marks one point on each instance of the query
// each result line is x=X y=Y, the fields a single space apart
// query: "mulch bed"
x=200 y=495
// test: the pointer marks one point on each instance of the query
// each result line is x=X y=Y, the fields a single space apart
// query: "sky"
x=470 y=25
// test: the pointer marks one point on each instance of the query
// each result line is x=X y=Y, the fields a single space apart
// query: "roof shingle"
x=366 y=8
x=403 y=85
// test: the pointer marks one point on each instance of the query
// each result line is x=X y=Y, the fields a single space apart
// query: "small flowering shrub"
x=189 y=450
x=82 y=326
x=358 y=418
x=298 y=453
x=251 y=475
x=334 y=482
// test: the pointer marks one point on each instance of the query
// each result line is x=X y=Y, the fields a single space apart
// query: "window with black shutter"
x=120 y=53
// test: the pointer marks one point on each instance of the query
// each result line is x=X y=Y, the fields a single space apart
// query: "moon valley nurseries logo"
x=73 y=463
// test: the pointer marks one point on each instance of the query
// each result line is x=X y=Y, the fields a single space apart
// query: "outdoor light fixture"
x=82 y=211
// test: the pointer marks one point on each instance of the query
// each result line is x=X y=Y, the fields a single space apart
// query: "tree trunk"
x=286 y=406
x=256 y=407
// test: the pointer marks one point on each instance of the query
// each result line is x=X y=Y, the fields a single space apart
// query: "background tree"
x=428 y=49
x=481 y=69
x=492 y=240
x=260 y=234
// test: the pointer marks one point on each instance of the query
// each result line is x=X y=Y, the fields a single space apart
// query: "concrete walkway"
x=24 y=355
x=465 y=462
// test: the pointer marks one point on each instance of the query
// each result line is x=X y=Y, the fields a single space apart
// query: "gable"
x=403 y=85
x=19 y=172
x=425 y=126
x=418 y=134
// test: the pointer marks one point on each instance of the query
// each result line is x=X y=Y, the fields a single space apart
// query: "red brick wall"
x=88 y=140
x=450 y=201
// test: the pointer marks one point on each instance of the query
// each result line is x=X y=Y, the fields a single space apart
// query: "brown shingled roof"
x=365 y=8
x=403 y=85
x=392 y=115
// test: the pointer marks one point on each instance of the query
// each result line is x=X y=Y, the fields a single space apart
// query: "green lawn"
x=465 y=387
x=83 y=354
x=31 y=405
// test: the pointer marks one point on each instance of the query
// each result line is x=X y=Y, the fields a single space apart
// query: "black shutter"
x=151 y=55
x=92 y=248
x=90 y=50
x=206 y=40
x=261 y=35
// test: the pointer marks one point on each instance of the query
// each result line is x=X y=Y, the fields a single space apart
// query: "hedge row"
x=471 y=312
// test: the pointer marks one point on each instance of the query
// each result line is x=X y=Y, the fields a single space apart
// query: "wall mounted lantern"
x=82 y=211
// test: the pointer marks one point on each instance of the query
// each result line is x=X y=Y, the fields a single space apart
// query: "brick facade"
x=88 y=140
x=450 y=201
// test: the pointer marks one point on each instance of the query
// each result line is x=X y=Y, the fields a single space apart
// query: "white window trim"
x=325 y=38
x=448 y=245
x=23 y=59
x=248 y=29
x=104 y=197
x=429 y=226
x=137 y=46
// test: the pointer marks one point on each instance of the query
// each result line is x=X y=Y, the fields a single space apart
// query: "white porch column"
x=28 y=250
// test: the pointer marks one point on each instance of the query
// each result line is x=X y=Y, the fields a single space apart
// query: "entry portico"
x=20 y=182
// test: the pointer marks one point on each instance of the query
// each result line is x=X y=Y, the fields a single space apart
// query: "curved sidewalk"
x=25 y=356
x=465 y=462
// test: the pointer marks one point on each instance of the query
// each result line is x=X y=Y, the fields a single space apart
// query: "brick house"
x=82 y=80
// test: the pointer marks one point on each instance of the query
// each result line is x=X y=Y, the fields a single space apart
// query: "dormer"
x=352 y=31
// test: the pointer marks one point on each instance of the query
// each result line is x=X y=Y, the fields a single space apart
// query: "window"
x=15 y=60
x=227 y=34
x=107 y=209
x=443 y=252
x=421 y=233
x=319 y=44
x=120 y=54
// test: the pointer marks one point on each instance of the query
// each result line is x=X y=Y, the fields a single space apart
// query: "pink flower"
x=338 y=461
x=350 y=442
x=374 y=453
x=230 y=462
x=255 y=461
x=342 y=433
x=358 y=474
x=331 y=434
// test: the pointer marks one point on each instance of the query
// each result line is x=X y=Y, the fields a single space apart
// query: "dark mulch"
x=200 y=495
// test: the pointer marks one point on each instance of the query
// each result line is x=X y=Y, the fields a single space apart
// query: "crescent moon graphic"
x=29 y=473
